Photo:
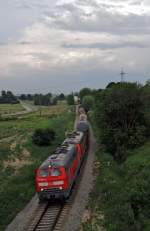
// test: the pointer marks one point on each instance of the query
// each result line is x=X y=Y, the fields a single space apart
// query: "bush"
x=88 y=102
x=70 y=99
x=43 y=137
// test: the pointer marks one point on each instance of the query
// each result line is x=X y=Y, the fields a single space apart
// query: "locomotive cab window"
x=44 y=172
x=55 y=172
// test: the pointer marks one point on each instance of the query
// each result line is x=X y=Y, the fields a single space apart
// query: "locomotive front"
x=55 y=176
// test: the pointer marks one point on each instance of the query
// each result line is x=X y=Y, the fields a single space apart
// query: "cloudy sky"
x=64 y=45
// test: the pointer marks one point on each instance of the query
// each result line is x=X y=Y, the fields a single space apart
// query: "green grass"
x=53 y=110
x=140 y=156
x=10 y=108
x=19 y=158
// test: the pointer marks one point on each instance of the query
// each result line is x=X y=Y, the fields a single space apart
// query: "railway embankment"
x=120 y=199
x=22 y=158
x=72 y=211
x=76 y=214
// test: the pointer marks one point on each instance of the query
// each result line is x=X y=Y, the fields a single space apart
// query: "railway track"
x=50 y=216
x=46 y=217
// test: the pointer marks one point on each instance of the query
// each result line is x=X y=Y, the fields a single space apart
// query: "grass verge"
x=19 y=158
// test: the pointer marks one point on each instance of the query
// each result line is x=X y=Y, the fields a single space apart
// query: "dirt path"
x=73 y=223
x=28 y=109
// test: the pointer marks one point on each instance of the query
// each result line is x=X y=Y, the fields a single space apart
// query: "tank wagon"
x=57 y=174
x=81 y=110
x=83 y=126
x=83 y=117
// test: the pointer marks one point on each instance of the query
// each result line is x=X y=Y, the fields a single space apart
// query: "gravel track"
x=74 y=220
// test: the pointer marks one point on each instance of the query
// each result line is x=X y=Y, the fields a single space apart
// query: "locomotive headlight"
x=42 y=184
x=59 y=182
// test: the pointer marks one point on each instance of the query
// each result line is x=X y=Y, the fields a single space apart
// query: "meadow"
x=19 y=157
x=10 y=108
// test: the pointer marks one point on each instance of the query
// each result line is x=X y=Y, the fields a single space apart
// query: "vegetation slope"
x=19 y=157
x=120 y=200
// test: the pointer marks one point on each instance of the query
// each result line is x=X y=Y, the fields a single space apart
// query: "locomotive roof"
x=63 y=156
x=74 y=138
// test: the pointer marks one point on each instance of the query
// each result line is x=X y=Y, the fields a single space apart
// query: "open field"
x=10 y=108
x=52 y=110
x=19 y=157
x=14 y=111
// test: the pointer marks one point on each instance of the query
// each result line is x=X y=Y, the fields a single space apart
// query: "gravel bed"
x=20 y=223
x=74 y=220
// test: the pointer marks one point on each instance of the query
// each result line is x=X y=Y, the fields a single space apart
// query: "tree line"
x=43 y=99
x=121 y=114
x=8 y=97
x=38 y=99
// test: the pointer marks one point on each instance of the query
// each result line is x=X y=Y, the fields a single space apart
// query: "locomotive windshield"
x=55 y=172
x=44 y=172
x=49 y=172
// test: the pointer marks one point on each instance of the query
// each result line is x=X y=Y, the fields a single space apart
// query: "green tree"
x=88 y=102
x=23 y=97
x=84 y=92
x=61 y=97
x=120 y=118
x=110 y=84
x=145 y=95
x=70 y=99
x=54 y=100
x=3 y=93
x=44 y=100
x=8 y=97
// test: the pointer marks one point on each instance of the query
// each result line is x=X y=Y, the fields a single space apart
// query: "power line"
x=122 y=73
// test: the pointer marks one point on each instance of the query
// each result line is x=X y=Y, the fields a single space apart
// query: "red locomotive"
x=57 y=174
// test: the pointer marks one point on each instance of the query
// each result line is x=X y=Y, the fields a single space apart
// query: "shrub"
x=43 y=137
x=88 y=102
x=70 y=99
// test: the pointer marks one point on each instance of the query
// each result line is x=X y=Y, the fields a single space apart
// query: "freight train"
x=57 y=174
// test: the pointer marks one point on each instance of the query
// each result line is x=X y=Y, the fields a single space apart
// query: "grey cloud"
x=23 y=6
x=25 y=43
x=106 y=46
x=86 y=2
x=3 y=44
x=31 y=4
x=70 y=16
x=40 y=5
x=30 y=46
x=97 y=21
